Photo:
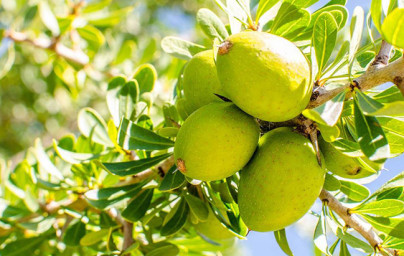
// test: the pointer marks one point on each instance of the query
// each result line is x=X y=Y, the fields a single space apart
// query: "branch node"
x=354 y=85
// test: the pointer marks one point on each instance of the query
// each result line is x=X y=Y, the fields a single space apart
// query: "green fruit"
x=200 y=80
x=213 y=229
x=281 y=182
x=215 y=141
x=345 y=166
x=265 y=75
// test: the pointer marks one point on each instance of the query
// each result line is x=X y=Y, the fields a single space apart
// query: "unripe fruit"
x=281 y=182
x=200 y=80
x=213 y=229
x=183 y=107
x=215 y=141
x=265 y=75
x=345 y=166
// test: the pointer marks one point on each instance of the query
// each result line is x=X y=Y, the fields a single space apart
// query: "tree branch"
x=353 y=221
x=54 y=45
x=378 y=73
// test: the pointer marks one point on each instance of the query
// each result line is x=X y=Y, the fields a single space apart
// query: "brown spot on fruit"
x=181 y=165
x=224 y=47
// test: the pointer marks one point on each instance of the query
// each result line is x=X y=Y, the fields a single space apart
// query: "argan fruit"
x=200 y=81
x=265 y=75
x=281 y=182
x=184 y=108
x=346 y=166
x=215 y=142
x=213 y=229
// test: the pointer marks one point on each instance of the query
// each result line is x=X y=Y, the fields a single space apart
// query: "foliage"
x=82 y=194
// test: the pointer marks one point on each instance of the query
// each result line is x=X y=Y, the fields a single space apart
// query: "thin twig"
x=377 y=74
x=76 y=56
x=353 y=221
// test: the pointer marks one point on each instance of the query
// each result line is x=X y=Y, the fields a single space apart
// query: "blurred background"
x=41 y=93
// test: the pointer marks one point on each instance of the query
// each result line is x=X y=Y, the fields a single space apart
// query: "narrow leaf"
x=331 y=183
x=280 y=236
x=132 y=136
x=172 y=180
x=211 y=25
x=357 y=22
x=180 y=48
x=320 y=238
x=132 y=167
x=324 y=38
x=138 y=207
x=74 y=233
x=48 y=18
x=383 y=208
x=197 y=207
x=93 y=126
x=354 y=191
x=93 y=237
x=376 y=12
x=371 y=137
x=390 y=226
x=177 y=221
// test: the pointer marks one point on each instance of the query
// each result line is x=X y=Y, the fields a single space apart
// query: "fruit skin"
x=213 y=229
x=281 y=182
x=265 y=75
x=345 y=166
x=215 y=141
x=200 y=81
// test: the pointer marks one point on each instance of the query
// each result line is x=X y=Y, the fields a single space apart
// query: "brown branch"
x=54 y=45
x=353 y=221
x=377 y=74
x=127 y=235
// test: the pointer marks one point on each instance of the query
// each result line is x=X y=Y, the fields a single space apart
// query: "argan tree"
x=238 y=132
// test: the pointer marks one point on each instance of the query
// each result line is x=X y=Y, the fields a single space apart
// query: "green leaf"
x=371 y=137
x=132 y=136
x=92 y=35
x=138 y=207
x=74 y=233
x=93 y=126
x=48 y=18
x=166 y=250
x=133 y=167
x=22 y=246
x=376 y=12
x=357 y=22
x=93 y=237
x=347 y=147
x=178 y=219
x=146 y=75
x=280 y=236
x=366 y=103
x=168 y=131
x=44 y=161
x=95 y=6
x=324 y=39
x=329 y=112
x=320 y=237
x=383 y=208
x=354 y=191
x=73 y=157
x=331 y=183
x=197 y=207
x=180 y=48
x=394 y=193
x=172 y=180
x=390 y=226
x=211 y=25
x=353 y=241
x=393 y=28
x=107 y=197
x=343 y=251
x=389 y=95
x=264 y=6
x=394 y=243
x=125 y=52
x=394 y=130
x=290 y=24
x=110 y=19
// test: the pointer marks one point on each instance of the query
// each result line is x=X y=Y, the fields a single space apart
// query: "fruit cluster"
x=265 y=77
